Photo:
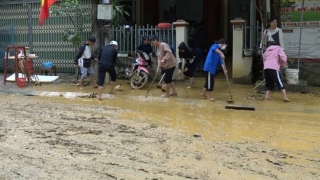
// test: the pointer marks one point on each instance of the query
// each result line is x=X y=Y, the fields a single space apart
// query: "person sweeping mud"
x=83 y=60
x=214 y=59
x=188 y=55
x=167 y=62
x=107 y=61
x=274 y=60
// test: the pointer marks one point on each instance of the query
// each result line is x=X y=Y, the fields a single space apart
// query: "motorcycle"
x=138 y=74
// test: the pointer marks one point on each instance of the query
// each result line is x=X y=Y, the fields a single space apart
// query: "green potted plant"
x=67 y=35
x=74 y=38
x=119 y=13
x=291 y=63
x=73 y=10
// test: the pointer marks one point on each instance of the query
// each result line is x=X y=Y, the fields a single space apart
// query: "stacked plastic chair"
x=25 y=64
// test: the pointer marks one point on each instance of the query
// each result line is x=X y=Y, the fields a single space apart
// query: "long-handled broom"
x=154 y=78
x=162 y=88
x=231 y=101
x=159 y=86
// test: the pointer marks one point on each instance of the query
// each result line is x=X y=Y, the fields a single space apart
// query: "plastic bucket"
x=247 y=52
x=164 y=26
x=292 y=76
x=21 y=82
x=29 y=64
x=47 y=65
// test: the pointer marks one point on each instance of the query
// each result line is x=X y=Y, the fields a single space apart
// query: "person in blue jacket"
x=215 y=58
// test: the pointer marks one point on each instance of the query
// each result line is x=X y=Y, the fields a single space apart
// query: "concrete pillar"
x=107 y=29
x=241 y=66
x=181 y=36
x=139 y=14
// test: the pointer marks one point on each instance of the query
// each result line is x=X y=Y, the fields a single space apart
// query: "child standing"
x=214 y=59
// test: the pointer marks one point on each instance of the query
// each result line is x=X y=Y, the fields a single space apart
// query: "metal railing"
x=6 y=38
x=46 y=40
x=130 y=38
x=252 y=40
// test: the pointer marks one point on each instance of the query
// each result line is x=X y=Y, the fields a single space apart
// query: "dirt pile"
x=47 y=138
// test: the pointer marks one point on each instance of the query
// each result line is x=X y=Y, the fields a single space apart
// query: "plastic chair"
x=27 y=69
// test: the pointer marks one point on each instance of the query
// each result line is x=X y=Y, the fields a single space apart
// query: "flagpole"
x=30 y=28
x=299 y=51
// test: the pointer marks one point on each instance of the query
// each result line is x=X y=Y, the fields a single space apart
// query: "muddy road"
x=133 y=137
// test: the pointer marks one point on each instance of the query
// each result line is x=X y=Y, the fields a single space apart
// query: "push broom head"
x=230 y=101
x=239 y=107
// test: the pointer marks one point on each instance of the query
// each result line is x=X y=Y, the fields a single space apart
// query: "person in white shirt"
x=271 y=36
x=83 y=60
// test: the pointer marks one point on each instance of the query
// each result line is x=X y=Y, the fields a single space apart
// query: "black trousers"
x=209 y=81
x=273 y=77
x=102 y=74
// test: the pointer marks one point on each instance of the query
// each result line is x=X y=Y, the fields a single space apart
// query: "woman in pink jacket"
x=274 y=60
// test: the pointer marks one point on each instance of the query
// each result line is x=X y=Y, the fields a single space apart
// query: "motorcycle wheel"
x=137 y=82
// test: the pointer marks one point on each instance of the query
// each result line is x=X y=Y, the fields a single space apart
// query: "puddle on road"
x=288 y=126
x=280 y=137
x=269 y=123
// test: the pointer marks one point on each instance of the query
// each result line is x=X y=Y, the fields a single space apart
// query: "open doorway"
x=206 y=15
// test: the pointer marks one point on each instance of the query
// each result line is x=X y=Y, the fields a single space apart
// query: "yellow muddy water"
x=287 y=126
x=289 y=132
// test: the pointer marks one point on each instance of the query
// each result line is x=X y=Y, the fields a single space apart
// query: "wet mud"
x=129 y=136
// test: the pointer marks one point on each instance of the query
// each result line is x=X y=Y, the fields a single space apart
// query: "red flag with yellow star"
x=44 y=10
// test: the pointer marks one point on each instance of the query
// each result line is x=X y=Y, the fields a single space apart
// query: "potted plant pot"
x=69 y=38
x=247 y=52
x=292 y=76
